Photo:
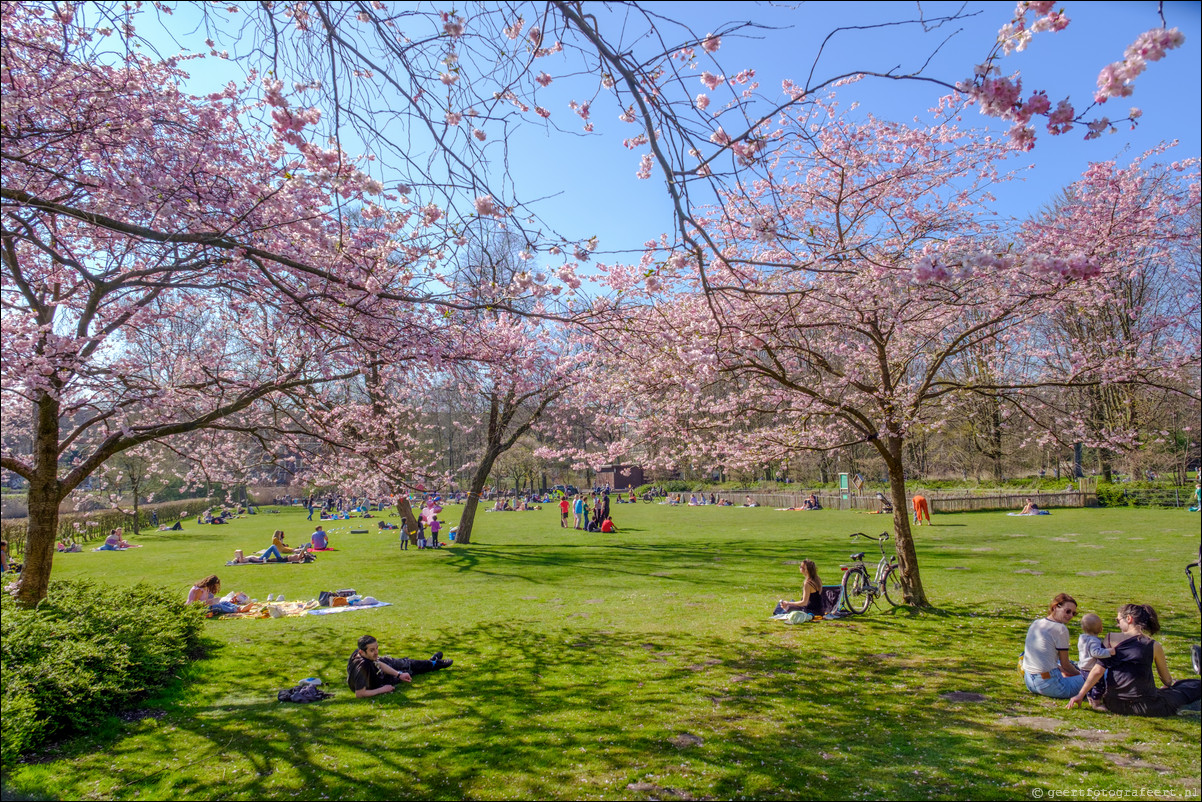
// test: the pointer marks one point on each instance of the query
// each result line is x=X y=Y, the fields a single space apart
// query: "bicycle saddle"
x=858 y=556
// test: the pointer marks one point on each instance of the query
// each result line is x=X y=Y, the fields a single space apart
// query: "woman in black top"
x=811 y=592
x=1130 y=687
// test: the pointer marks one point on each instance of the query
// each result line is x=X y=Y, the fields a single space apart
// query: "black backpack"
x=303 y=693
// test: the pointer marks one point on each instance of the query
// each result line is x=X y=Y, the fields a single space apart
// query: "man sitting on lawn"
x=319 y=539
x=368 y=674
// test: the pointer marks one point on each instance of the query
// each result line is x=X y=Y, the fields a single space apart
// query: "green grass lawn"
x=644 y=665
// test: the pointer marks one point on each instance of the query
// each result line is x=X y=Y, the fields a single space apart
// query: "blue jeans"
x=1058 y=687
x=273 y=551
x=223 y=607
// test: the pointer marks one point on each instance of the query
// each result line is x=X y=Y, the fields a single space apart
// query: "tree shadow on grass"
x=548 y=563
x=578 y=712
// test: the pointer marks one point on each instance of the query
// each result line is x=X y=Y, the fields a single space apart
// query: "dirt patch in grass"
x=1128 y=762
x=685 y=740
x=1032 y=722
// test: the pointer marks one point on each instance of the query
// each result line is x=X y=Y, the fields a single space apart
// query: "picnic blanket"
x=267 y=562
x=290 y=609
x=348 y=608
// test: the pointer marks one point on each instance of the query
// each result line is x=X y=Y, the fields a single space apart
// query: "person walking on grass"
x=369 y=674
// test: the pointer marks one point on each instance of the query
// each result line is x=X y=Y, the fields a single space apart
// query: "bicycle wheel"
x=855 y=591
x=892 y=587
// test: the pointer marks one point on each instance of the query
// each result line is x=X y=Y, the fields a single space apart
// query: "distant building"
x=620 y=477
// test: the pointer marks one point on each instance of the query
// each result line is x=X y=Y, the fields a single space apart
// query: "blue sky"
x=588 y=182
x=625 y=211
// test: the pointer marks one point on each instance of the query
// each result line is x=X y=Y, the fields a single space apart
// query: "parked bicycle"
x=859 y=590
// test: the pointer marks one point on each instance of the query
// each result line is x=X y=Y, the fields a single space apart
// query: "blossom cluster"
x=1001 y=96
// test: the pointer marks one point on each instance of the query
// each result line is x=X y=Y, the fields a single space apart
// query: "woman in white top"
x=1047 y=670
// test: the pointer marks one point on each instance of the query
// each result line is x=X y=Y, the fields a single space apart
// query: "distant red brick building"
x=620 y=477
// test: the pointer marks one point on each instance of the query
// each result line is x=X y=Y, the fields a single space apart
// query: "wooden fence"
x=953 y=501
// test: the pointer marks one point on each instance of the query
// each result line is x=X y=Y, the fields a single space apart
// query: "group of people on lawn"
x=582 y=510
x=1113 y=673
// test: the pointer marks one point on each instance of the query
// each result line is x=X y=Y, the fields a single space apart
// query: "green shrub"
x=1110 y=495
x=85 y=652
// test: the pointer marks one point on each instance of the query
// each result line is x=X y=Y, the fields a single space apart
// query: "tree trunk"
x=408 y=519
x=464 y=534
x=44 y=497
x=907 y=557
x=136 y=486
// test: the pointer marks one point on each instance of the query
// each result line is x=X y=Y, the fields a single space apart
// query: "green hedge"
x=84 y=527
x=85 y=652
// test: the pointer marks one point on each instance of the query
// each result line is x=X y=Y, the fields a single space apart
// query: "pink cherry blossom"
x=487 y=207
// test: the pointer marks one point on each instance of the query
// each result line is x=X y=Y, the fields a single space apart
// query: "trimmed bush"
x=85 y=652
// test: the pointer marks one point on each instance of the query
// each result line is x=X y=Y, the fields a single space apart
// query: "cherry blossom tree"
x=169 y=264
x=853 y=290
x=439 y=93
x=1138 y=325
x=175 y=263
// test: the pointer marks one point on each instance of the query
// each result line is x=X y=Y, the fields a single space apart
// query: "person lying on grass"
x=272 y=555
x=369 y=674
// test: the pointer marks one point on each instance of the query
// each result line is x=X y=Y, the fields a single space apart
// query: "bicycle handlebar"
x=882 y=537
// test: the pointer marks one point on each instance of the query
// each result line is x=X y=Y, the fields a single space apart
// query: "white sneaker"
x=279 y=597
x=270 y=597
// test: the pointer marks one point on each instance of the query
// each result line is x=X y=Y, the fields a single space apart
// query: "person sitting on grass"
x=369 y=674
x=811 y=592
x=1047 y=670
x=114 y=542
x=277 y=540
x=320 y=539
x=1030 y=508
x=1130 y=687
x=205 y=592
x=607 y=525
